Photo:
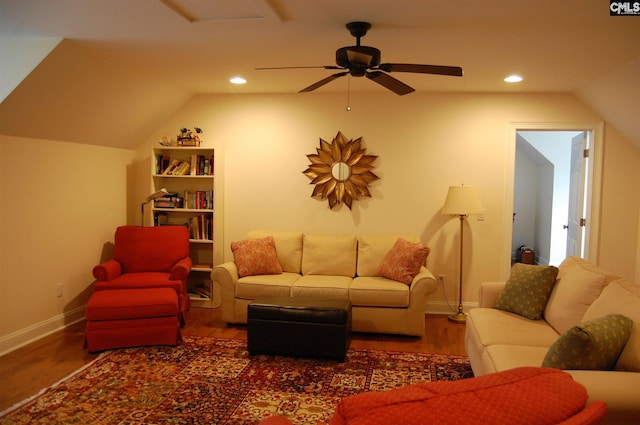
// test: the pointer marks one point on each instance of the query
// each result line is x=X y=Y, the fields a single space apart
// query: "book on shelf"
x=201 y=266
x=170 y=200
x=201 y=227
x=182 y=169
x=193 y=169
x=202 y=290
x=199 y=199
x=172 y=165
x=197 y=165
x=162 y=163
x=209 y=169
x=160 y=219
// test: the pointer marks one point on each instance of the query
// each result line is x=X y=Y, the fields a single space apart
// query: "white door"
x=576 y=216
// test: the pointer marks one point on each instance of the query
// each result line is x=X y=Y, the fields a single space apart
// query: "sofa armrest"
x=488 y=293
x=181 y=269
x=424 y=282
x=617 y=389
x=226 y=275
x=107 y=270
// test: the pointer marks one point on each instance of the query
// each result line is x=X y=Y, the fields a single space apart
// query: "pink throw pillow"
x=256 y=256
x=404 y=261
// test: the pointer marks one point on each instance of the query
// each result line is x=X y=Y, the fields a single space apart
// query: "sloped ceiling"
x=125 y=65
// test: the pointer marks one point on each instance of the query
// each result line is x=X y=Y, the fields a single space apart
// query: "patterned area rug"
x=215 y=381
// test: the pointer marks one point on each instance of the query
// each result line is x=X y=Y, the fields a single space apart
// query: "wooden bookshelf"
x=189 y=174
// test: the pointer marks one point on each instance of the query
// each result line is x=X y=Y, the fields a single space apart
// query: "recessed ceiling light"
x=237 y=80
x=513 y=79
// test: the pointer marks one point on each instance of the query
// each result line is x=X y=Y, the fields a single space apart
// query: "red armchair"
x=148 y=257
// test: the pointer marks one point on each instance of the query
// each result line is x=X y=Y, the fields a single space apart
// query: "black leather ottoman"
x=300 y=327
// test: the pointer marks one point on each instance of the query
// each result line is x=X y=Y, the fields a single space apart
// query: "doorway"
x=556 y=187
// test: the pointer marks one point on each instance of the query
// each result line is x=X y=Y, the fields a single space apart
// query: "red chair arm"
x=181 y=269
x=108 y=270
x=593 y=413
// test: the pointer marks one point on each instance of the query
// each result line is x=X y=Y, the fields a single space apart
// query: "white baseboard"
x=39 y=330
x=441 y=307
x=34 y=332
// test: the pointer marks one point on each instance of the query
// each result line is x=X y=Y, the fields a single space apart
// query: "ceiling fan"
x=364 y=61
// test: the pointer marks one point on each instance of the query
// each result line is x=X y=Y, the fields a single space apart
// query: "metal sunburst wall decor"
x=340 y=170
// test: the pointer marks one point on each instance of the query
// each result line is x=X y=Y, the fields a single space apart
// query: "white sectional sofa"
x=333 y=266
x=498 y=340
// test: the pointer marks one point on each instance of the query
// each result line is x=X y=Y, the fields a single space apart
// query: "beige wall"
x=59 y=204
x=425 y=142
x=620 y=205
x=637 y=277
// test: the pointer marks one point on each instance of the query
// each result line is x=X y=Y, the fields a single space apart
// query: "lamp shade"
x=462 y=200
x=156 y=195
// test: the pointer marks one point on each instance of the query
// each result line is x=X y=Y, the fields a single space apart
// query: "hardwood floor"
x=29 y=369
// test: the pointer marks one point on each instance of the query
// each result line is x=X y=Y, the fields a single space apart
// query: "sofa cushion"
x=141 y=281
x=623 y=297
x=288 y=247
x=378 y=292
x=499 y=327
x=501 y=357
x=256 y=256
x=527 y=291
x=373 y=248
x=251 y=287
x=592 y=345
x=404 y=261
x=322 y=286
x=578 y=284
x=329 y=255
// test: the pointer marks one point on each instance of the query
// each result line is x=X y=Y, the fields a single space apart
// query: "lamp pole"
x=153 y=196
x=461 y=201
x=460 y=317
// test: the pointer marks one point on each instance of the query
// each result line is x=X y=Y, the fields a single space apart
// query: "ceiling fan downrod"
x=358 y=30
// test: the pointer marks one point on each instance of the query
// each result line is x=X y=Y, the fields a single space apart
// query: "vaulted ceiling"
x=125 y=65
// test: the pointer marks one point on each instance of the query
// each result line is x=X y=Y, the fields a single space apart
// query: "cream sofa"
x=332 y=266
x=497 y=340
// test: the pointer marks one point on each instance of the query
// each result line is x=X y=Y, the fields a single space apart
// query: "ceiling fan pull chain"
x=348 y=93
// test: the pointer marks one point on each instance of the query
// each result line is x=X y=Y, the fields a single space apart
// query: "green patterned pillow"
x=527 y=291
x=592 y=345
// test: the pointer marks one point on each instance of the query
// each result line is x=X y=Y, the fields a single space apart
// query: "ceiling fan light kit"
x=364 y=61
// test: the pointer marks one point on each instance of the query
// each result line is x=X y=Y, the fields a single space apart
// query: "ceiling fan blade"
x=324 y=81
x=454 y=71
x=387 y=81
x=300 y=67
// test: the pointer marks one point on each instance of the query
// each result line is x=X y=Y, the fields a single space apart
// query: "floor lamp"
x=461 y=201
x=153 y=196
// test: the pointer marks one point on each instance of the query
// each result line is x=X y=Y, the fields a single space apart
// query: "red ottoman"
x=132 y=317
